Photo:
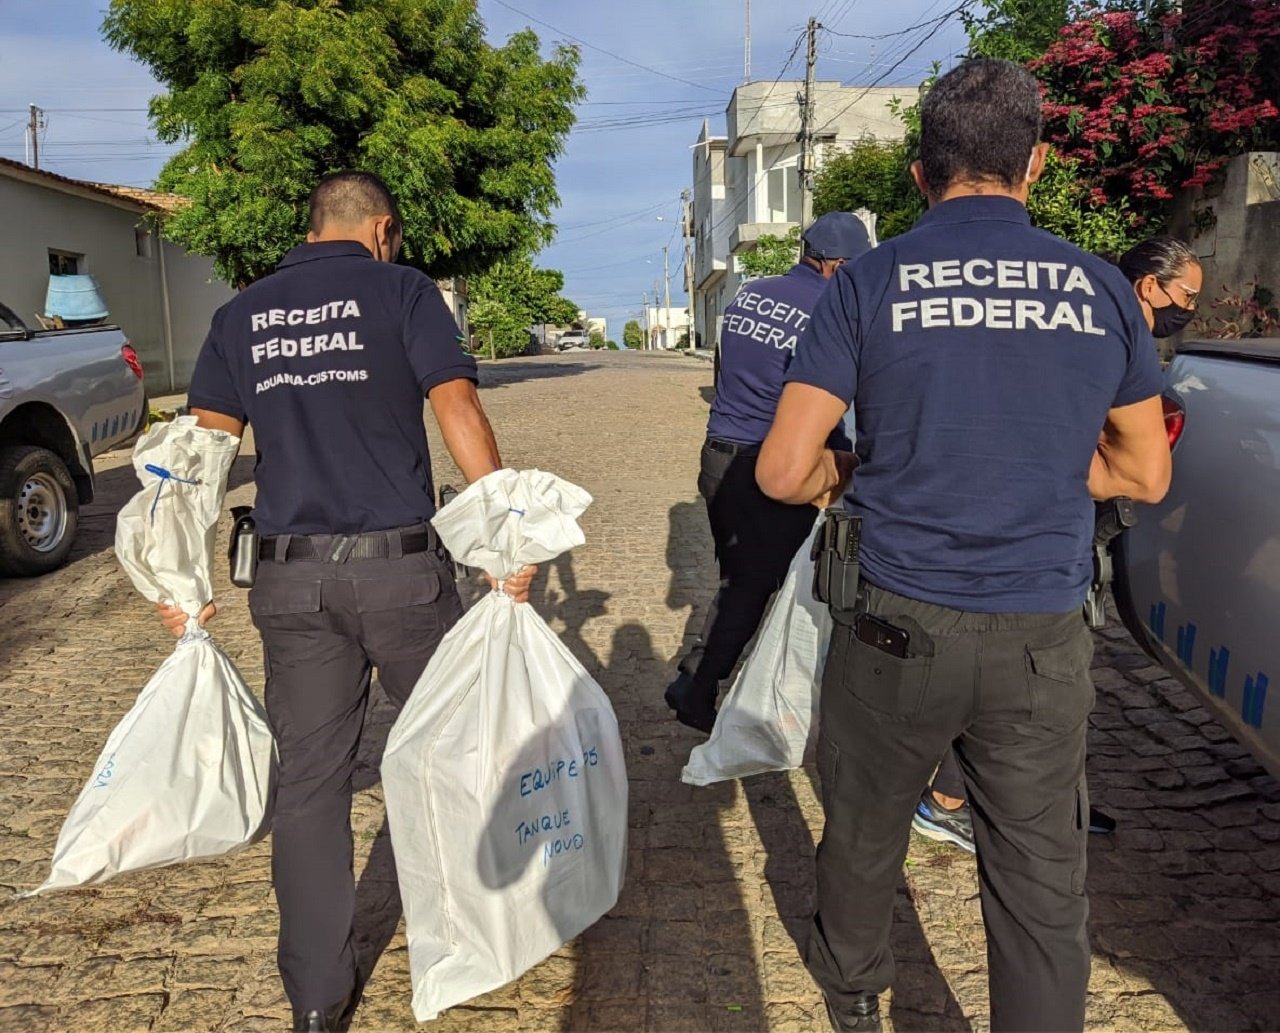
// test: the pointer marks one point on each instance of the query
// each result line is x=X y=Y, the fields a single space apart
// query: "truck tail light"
x=1175 y=418
x=131 y=359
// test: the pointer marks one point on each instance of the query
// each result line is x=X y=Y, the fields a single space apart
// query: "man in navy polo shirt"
x=755 y=536
x=1000 y=378
x=329 y=359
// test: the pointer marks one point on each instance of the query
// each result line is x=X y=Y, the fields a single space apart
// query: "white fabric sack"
x=770 y=717
x=504 y=776
x=186 y=773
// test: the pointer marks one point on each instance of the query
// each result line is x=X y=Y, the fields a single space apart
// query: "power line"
x=945 y=16
x=937 y=27
x=794 y=51
x=617 y=57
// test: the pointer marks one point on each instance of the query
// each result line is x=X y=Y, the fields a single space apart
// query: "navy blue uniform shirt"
x=758 y=339
x=328 y=359
x=981 y=356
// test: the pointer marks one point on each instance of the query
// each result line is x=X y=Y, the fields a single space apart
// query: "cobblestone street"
x=1185 y=896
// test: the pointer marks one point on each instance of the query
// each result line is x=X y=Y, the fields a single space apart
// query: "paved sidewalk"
x=1185 y=897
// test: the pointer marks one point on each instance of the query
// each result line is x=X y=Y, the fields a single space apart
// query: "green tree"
x=513 y=296
x=1061 y=202
x=596 y=339
x=268 y=95
x=871 y=174
x=632 y=335
x=772 y=255
x=1017 y=30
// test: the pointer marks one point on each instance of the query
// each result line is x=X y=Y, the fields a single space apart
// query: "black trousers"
x=756 y=538
x=949 y=781
x=1012 y=691
x=324 y=626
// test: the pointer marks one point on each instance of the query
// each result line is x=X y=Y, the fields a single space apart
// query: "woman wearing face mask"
x=1167 y=278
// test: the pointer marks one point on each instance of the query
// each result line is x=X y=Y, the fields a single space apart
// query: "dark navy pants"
x=324 y=627
x=1013 y=693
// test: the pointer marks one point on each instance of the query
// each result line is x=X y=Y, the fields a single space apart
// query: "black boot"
x=861 y=1016
x=332 y=1019
x=693 y=705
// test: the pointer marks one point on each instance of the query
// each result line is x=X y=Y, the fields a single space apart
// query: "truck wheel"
x=38 y=511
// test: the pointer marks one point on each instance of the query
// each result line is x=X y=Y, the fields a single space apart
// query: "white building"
x=595 y=325
x=746 y=184
x=664 y=327
x=161 y=296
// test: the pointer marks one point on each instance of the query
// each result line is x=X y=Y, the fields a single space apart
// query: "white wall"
x=35 y=218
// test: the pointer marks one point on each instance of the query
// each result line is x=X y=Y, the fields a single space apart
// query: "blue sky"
x=619 y=183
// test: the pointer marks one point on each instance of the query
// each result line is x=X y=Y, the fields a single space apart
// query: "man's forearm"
x=823 y=477
x=466 y=431
x=1107 y=480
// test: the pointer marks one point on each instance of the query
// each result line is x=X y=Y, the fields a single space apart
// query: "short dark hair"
x=978 y=123
x=1163 y=257
x=348 y=198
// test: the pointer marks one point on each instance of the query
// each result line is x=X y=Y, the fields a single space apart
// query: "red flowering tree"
x=1149 y=106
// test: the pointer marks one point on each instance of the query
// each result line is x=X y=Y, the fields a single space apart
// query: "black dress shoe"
x=1101 y=824
x=860 y=1016
x=329 y=1020
x=691 y=704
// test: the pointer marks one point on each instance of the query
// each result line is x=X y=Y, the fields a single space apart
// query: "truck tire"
x=39 y=511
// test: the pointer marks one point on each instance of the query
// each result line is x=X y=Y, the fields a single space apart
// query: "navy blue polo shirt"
x=981 y=356
x=328 y=359
x=758 y=338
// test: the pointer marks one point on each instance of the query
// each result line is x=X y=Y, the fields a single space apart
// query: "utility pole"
x=746 y=47
x=34 y=124
x=666 y=303
x=807 y=156
x=688 y=264
x=644 y=317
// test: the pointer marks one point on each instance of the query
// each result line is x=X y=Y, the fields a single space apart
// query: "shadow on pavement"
x=506 y=372
x=1185 y=895
x=676 y=952
x=922 y=997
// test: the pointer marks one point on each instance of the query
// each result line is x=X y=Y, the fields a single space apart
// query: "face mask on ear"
x=1169 y=320
x=1031 y=164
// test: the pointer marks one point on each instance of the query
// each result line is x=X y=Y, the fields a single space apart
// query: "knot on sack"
x=193 y=632
x=164 y=475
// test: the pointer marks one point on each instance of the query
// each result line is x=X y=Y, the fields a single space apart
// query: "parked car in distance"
x=1197 y=580
x=66 y=396
x=573 y=339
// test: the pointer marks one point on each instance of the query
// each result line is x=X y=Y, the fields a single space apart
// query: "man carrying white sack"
x=329 y=359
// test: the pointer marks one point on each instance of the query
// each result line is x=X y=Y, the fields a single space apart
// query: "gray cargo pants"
x=1013 y=692
x=324 y=626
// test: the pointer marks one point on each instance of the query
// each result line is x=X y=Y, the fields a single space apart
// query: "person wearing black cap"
x=755 y=537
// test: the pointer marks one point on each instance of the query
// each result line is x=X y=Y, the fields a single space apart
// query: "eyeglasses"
x=1192 y=298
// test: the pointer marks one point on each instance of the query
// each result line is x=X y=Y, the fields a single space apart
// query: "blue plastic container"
x=75 y=298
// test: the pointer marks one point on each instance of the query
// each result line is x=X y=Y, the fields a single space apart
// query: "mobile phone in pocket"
x=880 y=634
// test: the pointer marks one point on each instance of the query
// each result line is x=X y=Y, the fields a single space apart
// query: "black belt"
x=733 y=448
x=338 y=548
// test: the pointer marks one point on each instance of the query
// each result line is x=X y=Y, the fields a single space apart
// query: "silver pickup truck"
x=1198 y=578
x=65 y=397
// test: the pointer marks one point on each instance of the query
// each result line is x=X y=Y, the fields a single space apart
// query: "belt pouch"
x=243 y=551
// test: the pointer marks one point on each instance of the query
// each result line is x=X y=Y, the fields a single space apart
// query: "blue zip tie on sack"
x=164 y=475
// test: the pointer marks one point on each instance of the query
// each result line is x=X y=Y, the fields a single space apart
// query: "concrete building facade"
x=161 y=296
x=664 y=327
x=746 y=184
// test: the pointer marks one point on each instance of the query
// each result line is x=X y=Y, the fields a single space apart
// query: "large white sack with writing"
x=504 y=776
x=770 y=716
x=186 y=773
